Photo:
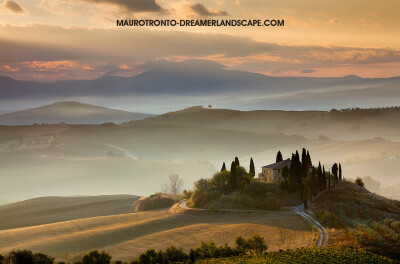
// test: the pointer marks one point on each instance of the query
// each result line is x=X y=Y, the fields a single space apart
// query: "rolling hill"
x=360 y=218
x=125 y=236
x=357 y=124
x=45 y=210
x=379 y=95
x=69 y=112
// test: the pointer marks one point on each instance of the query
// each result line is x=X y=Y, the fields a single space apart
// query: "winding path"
x=323 y=234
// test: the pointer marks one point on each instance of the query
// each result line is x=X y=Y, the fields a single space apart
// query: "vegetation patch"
x=235 y=189
x=329 y=219
x=157 y=201
x=307 y=256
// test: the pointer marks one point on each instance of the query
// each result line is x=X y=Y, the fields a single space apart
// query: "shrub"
x=356 y=235
x=202 y=199
x=385 y=231
x=41 y=258
x=370 y=235
x=254 y=245
x=95 y=257
x=212 y=209
x=395 y=225
x=19 y=257
x=220 y=182
x=187 y=194
x=156 y=201
x=209 y=250
x=329 y=219
x=258 y=189
x=148 y=257
x=359 y=182
x=173 y=254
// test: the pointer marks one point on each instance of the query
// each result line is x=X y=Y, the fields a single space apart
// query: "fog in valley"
x=136 y=157
x=125 y=135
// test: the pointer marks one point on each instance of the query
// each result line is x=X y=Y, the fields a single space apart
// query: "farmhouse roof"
x=279 y=165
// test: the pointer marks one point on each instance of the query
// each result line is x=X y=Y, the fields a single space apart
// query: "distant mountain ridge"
x=70 y=112
x=187 y=78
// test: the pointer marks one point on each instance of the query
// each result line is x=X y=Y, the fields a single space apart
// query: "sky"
x=49 y=40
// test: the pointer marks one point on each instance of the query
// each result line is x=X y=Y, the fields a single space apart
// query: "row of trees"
x=358 y=110
x=251 y=246
x=302 y=176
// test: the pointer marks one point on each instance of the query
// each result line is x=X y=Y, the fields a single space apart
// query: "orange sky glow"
x=48 y=40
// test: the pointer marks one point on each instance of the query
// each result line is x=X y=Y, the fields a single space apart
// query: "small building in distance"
x=272 y=173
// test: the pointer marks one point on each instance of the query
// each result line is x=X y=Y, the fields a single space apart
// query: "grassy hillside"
x=69 y=112
x=358 y=217
x=337 y=255
x=355 y=203
x=125 y=236
x=311 y=124
x=47 y=210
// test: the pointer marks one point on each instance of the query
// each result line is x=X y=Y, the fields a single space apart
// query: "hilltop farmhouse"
x=272 y=173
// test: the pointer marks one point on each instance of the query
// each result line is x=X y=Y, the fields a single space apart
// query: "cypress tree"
x=279 y=157
x=319 y=177
x=340 y=172
x=285 y=175
x=237 y=161
x=252 y=168
x=309 y=158
x=329 y=181
x=298 y=168
x=323 y=179
x=233 y=178
x=335 y=171
x=292 y=182
x=223 y=167
x=314 y=182
x=304 y=164
x=304 y=156
x=303 y=171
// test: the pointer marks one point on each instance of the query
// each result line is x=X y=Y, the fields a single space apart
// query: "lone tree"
x=279 y=157
x=340 y=171
x=359 y=182
x=209 y=106
x=174 y=184
x=252 y=168
x=223 y=167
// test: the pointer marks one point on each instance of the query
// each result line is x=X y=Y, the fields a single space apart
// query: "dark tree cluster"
x=307 y=179
x=254 y=245
x=366 y=111
x=223 y=182
x=26 y=257
x=251 y=246
x=238 y=176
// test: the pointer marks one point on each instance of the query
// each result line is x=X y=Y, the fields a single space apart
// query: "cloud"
x=334 y=21
x=14 y=7
x=131 y=5
x=103 y=50
x=201 y=10
x=307 y=71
